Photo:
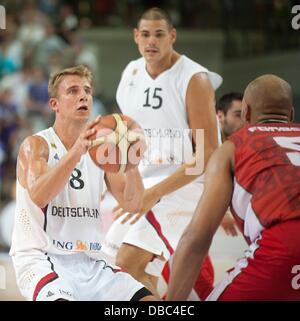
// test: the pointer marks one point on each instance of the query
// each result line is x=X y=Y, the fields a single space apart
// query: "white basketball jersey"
x=71 y=222
x=159 y=106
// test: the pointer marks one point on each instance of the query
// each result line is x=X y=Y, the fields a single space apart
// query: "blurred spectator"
x=7 y=220
x=84 y=54
x=7 y=107
x=31 y=30
x=7 y=65
x=103 y=11
x=8 y=125
x=37 y=104
x=50 y=43
x=12 y=47
x=18 y=83
x=10 y=122
x=49 y=8
x=69 y=19
x=2 y=160
x=55 y=62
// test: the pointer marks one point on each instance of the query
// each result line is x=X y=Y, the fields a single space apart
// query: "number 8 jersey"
x=267 y=176
x=71 y=222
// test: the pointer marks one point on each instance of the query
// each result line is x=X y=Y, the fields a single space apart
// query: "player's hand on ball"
x=118 y=144
x=84 y=141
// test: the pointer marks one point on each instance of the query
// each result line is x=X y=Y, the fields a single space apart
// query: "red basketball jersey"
x=267 y=176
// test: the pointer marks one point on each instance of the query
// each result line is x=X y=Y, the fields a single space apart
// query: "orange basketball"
x=119 y=143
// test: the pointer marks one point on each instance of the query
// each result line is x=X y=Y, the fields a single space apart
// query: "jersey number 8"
x=75 y=180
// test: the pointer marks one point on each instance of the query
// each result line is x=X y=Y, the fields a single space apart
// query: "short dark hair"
x=156 y=13
x=225 y=101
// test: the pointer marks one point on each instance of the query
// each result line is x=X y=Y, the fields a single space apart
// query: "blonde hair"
x=55 y=79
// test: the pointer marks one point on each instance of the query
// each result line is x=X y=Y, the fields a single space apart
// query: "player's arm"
x=127 y=188
x=44 y=183
x=196 y=239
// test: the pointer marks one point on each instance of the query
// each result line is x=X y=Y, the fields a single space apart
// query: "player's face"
x=74 y=98
x=232 y=120
x=154 y=39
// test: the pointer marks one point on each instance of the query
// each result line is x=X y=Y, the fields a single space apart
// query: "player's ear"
x=221 y=116
x=173 y=35
x=53 y=104
x=292 y=114
x=135 y=35
x=246 y=112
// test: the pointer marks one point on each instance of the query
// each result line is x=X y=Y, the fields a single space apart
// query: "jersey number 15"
x=156 y=100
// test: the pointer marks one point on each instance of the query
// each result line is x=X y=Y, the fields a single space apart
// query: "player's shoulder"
x=34 y=143
x=187 y=62
x=134 y=65
x=239 y=137
x=191 y=68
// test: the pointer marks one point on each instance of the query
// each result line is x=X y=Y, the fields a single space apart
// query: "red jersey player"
x=258 y=172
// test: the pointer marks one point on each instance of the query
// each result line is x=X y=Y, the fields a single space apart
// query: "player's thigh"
x=130 y=256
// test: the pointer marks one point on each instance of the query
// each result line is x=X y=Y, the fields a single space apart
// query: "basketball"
x=118 y=144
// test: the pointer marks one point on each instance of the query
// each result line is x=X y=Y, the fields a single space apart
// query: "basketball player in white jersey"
x=167 y=93
x=56 y=246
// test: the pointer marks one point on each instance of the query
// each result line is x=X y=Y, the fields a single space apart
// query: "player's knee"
x=121 y=262
x=124 y=261
x=131 y=259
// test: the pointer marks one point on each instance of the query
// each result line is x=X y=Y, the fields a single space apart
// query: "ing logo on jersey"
x=135 y=71
x=81 y=246
x=53 y=145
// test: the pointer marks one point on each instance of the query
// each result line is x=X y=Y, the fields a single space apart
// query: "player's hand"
x=149 y=200
x=229 y=225
x=84 y=141
x=118 y=211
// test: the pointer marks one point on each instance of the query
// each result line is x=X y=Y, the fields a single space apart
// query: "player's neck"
x=273 y=120
x=156 y=68
x=68 y=134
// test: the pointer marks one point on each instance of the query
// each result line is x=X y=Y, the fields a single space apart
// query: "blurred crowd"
x=38 y=40
x=33 y=46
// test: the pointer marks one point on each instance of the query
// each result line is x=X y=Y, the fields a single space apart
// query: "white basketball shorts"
x=160 y=229
x=74 y=277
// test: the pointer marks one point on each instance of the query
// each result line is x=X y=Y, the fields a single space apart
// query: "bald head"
x=269 y=97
